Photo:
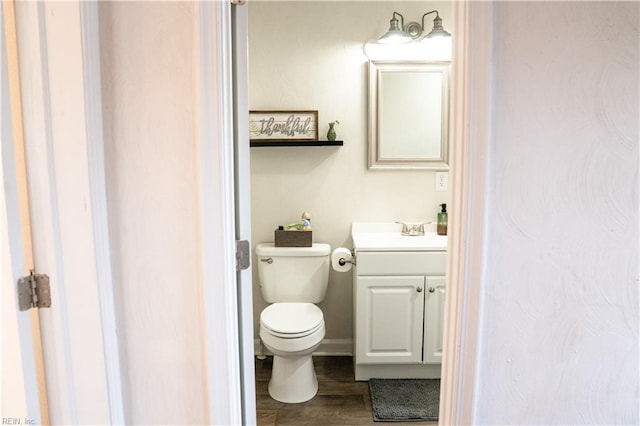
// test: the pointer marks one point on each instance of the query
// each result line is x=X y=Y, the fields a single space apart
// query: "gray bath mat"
x=405 y=400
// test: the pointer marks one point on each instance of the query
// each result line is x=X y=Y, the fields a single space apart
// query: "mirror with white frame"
x=408 y=115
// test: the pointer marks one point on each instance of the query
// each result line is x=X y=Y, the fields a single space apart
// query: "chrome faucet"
x=413 y=229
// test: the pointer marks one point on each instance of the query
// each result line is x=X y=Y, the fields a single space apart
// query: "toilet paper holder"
x=342 y=261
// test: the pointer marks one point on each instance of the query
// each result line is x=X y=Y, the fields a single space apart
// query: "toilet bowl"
x=292 y=280
x=291 y=332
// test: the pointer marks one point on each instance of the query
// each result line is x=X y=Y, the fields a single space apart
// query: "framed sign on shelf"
x=269 y=126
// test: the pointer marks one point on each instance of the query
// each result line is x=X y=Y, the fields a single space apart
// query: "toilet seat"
x=291 y=320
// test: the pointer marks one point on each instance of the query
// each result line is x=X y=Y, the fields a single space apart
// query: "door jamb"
x=470 y=136
x=90 y=27
x=242 y=191
x=217 y=212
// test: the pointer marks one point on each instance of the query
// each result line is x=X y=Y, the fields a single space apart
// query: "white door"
x=434 y=319
x=390 y=316
x=23 y=396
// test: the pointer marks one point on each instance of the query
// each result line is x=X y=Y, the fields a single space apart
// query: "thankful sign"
x=283 y=125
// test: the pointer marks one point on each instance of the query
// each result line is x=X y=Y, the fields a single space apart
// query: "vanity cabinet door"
x=434 y=319
x=389 y=319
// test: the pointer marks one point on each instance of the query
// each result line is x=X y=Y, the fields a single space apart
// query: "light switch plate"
x=442 y=181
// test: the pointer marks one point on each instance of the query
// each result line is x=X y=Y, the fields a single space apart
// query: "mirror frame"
x=376 y=68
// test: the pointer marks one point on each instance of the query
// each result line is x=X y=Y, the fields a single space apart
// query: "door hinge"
x=238 y=2
x=34 y=291
x=243 y=255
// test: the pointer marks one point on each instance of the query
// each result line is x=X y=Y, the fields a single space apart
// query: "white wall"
x=148 y=52
x=559 y=334
x=309 y=55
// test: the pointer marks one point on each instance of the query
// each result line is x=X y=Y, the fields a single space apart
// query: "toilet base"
x=293 y=379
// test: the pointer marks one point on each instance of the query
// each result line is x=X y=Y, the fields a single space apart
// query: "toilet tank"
x=293 y=274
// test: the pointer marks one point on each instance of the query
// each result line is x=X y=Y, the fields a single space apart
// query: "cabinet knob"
x=419 y=289
x=431 y=289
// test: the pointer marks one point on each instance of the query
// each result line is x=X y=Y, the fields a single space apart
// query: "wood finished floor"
x=340 y=399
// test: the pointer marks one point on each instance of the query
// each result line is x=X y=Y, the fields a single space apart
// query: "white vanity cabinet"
x=389 y=319
x=399 y=291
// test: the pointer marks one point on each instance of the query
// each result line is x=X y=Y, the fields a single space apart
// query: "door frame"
x=226 y=348
x=90 y=28
x=240 y=81
x=470 y=137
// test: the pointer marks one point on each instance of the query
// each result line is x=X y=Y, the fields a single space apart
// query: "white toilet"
x=292 y=279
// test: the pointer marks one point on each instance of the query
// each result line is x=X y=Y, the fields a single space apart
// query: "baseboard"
x=328 y=347
x=335 y=347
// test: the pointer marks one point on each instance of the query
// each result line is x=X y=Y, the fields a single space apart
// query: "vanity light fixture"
x=396 y=33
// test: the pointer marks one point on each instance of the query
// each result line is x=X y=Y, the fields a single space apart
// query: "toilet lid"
x=292 y=319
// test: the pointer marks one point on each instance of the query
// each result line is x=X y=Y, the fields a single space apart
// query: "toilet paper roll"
x=341 y=253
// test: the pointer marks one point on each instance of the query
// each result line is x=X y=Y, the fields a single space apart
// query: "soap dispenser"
x=442 y=220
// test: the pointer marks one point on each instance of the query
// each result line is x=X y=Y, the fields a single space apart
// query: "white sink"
x=372 y=236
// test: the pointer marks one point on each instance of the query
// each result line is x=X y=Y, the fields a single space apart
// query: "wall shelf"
x=294 y=143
